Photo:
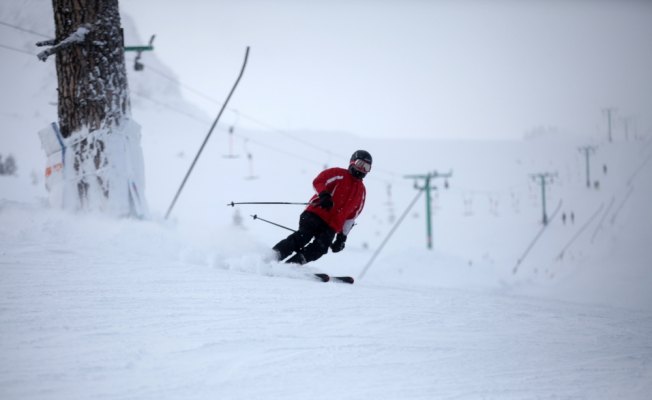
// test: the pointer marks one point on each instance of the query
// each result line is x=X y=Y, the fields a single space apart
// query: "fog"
x=445 y=69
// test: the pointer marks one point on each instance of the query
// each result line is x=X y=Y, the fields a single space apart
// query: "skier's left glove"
x=338 y=244
x=325 y=200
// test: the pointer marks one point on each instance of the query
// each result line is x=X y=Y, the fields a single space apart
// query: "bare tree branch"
x=77 y=36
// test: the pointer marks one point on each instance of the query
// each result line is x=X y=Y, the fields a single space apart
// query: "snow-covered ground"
x=92 y=307
x=136 y=314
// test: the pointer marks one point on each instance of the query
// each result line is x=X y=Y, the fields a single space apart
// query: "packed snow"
x=190 y=307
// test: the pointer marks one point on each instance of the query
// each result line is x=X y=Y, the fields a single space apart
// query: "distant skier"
x=331 y=214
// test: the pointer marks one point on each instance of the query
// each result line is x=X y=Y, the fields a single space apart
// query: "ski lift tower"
x=427 y=187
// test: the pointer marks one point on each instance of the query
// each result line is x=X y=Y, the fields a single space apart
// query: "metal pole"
x=233 y=204
x=587 y=150
x=391 y=232
x=543 y=195
x=609 y=111
x=588 y=170
x=428 y=213
x=427 y=186
x=543 y=181
x=272 y=223
x=183 y=183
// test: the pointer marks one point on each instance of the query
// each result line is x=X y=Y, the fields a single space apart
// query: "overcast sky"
x=439 y=69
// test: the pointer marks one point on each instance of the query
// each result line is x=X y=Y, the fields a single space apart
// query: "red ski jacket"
x=348 y=194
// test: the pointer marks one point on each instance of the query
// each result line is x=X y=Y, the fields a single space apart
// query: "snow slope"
x=188 y=308
x=141 y=321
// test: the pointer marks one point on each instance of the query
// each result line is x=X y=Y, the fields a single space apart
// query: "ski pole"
x=233 y=204
x=391 y=232
x=183 y=183
x=255 y=216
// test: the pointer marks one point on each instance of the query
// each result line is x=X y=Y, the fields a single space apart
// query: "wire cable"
x=172 y=108
x=4 y=46
x=249 y=117
x=24 y=30
x=263 y=124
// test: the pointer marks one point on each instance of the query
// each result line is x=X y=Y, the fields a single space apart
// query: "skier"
x=330 y=214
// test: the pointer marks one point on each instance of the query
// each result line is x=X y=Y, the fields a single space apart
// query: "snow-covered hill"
x=138 y=313
x=187 y=308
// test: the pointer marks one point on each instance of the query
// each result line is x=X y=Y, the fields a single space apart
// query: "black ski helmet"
x=360 y=163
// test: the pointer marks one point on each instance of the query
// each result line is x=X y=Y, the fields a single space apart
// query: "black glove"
x=325 y=200
x=338 y=244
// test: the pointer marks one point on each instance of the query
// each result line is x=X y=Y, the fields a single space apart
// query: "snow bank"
x=117 y=187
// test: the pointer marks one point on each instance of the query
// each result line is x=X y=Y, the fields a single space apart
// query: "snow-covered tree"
x=100 y=142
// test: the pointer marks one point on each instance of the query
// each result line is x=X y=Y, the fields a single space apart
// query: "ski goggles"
x=361 y=165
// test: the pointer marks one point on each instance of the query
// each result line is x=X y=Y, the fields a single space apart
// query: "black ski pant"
x=311 y=227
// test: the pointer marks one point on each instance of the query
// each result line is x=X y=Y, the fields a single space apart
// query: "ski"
x=322 y=277
x=326 y=278
x=344 y=279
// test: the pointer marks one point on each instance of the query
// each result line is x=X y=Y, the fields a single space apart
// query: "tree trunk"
x=93 y=98
x=92 y=76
